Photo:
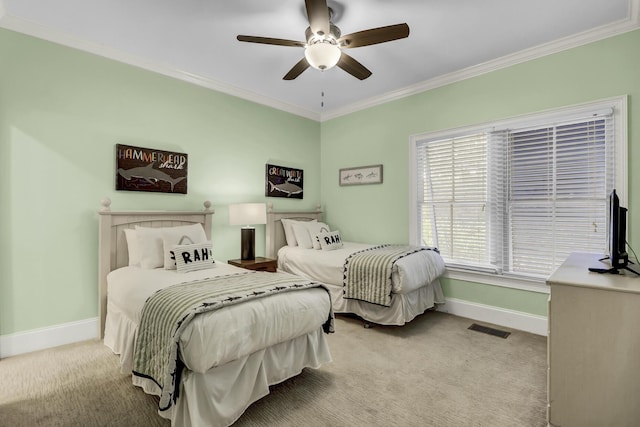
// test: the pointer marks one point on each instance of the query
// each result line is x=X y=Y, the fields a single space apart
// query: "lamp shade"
x=247 y=214
x=322 y=55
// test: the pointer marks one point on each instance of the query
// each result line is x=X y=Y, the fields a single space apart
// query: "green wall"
x=61 y=113
x=379 y=213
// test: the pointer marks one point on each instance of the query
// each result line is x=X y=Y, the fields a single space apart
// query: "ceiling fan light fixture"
x=322 y=55
x=324 y=42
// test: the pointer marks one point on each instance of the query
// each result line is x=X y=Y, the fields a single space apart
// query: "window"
x=514 y=198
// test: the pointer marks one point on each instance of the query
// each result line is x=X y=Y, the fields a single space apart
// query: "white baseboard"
x=53 y=336
x=67 y=333
x=496 y=315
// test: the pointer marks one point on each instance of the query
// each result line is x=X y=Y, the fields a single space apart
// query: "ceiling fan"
x=324 y=46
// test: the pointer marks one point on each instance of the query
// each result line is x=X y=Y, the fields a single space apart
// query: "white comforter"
x=217 y=337
x=409 y=273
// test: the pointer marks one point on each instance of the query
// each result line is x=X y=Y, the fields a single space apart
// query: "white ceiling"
x=195 y=40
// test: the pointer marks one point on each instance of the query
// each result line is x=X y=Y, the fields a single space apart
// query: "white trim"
x=505 y=281
x=536 y=52
x=19 y=25
x=51 y=336
x=617 y=103
x=498 y=316
x=632 y=22
x=82 y=330
x=621 y=142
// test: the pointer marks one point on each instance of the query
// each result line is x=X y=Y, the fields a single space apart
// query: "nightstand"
x=258 y=264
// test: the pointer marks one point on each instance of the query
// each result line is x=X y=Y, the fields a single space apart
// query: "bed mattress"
x=409 y=273
x=414 y=287
x=216 y=337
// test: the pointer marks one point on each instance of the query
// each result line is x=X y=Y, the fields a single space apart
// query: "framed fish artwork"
x=281 y=181
x=361 y=175
x=147 y=169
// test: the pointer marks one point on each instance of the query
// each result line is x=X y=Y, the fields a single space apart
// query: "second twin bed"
x=411 y=273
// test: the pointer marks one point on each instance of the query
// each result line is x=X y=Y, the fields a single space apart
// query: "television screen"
x=617 y=232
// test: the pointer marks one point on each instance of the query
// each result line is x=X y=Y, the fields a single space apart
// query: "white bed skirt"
x=219 y=396
x=404 y=307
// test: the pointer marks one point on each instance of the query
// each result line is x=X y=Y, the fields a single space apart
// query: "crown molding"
x=632 y=22
x=570 y=42
x=13 y=23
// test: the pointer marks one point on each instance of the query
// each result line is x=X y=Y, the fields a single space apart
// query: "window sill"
x=531 y=285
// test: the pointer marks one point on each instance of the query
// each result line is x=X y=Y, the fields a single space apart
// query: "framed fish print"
x=147 y=169
x=281 y=181
x=361 y=175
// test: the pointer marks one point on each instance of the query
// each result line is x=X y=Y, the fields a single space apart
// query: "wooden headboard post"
x=112 y=244
x=274 y=235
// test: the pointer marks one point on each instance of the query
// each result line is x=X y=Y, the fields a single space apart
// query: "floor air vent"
x=490 y=331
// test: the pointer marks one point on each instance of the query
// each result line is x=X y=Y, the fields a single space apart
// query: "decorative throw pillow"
x=316 y=228
x=133 y=246
x=198 y=256
x=181 y=235
x=330 y=241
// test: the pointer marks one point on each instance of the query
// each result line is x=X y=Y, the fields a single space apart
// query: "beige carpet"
x=430 y=372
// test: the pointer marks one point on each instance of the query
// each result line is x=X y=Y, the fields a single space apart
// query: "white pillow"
x=150 y=240
x=182 y=235
x=133 y=246
x=306 y=233
x=303 y=237
x=288 y=230
x=316 y=228
x=330 y=241
x=152 y=254
x=194 y=257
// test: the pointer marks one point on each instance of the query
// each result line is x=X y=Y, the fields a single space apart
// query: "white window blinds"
x=452 y=199
x=518 y=200
x=559 y=179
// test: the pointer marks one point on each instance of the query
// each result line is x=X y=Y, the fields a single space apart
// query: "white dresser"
x=593 y=345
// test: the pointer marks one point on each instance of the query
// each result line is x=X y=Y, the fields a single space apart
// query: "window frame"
x=620 y=134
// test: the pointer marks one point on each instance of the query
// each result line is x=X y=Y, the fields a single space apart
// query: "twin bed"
x=253 y=330
x=415 y=285
x=267 y=328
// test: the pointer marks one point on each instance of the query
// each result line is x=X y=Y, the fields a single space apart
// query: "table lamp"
x=248 y=214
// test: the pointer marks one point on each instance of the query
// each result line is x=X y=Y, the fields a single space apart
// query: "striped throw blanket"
x=167 y=313
x=367 y=273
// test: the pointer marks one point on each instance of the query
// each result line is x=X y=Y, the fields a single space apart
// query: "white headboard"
x=275 y=238
x=112 y=250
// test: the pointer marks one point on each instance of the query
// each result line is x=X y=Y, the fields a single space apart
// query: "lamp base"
x=248 y=241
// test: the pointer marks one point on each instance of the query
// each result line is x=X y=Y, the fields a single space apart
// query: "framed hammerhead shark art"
x=146 y=169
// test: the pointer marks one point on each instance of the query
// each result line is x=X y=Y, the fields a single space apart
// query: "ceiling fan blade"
x=353 y=67
x=270 y=40
x=297 y=69
x=318 y=14
x=374 y=36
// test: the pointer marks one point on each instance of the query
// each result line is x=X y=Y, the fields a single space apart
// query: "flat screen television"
x=617 y=233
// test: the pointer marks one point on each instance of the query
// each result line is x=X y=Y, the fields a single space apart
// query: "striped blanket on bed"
x=166 y=314
x=367 y=273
